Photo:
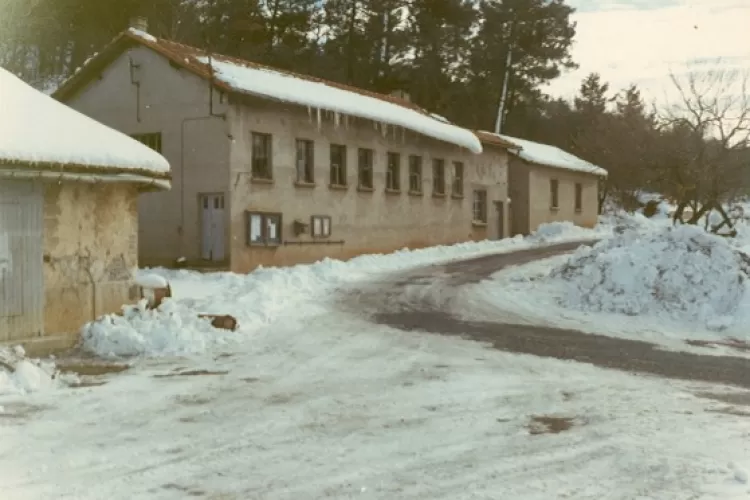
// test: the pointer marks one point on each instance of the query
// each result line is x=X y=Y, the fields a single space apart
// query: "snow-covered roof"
x=285 y=87
x=549 y=156
x=38 y=131
x=245 y=77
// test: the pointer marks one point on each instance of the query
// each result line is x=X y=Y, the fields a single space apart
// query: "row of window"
x=262 y=167
x=265 y=228
x=554 y=188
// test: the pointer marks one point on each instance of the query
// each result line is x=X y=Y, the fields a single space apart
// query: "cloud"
x=641 y=41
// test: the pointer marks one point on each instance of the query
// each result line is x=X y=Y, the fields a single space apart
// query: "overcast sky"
x=639 y=41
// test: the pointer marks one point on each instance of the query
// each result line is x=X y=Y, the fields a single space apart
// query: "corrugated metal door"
x=21 y=275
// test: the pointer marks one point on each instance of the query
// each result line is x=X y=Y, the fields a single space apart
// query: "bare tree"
x=702 y=134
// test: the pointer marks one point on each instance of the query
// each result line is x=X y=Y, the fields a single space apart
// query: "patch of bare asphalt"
x=544 y=424
x=190 y=373
x=388 y=303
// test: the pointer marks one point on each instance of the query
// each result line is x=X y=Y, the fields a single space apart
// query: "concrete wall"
x=534 y=180
x=175 y=103
x=90 y=253
x=362 y=221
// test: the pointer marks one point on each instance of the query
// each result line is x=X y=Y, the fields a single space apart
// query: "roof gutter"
x=91 y=178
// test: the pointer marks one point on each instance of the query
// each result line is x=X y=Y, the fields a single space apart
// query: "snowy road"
x=424 y=301
x=330 y=405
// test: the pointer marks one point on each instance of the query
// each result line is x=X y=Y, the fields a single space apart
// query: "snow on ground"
x=319 y=404
x=38 y=129
x=264 y=296
x=340 y=408
x=21 y=375
x=649 y=282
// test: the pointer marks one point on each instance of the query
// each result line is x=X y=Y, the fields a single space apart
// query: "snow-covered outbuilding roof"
x=543 y=154
x=244 y=77
x=38 y=133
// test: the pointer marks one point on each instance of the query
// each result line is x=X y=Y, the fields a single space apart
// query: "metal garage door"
x=21 y=278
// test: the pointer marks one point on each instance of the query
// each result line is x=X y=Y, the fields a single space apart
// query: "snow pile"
x=264 y=297
x=21 y=375
x=554 y=231
x=319 y=95
x=681 y=272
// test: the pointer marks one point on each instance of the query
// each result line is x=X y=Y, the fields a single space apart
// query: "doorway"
x=500 y=207
x=212 y=227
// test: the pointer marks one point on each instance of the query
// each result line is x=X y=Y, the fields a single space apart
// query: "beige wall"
x=90 y=253
x=537 y=209
x=364 y=222
x=175 y=103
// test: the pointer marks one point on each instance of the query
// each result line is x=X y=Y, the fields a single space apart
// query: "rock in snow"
x=682 y=272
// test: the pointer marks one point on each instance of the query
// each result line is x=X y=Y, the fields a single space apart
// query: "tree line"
x=457 y=58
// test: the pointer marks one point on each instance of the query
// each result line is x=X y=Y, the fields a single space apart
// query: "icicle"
x=309 y=113
x=384 y=130
x=320 y=120
x=336 y=119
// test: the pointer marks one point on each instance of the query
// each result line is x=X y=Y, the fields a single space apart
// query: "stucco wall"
x=175 y=103
x=540 y=209
x=90 y=253
x=366 y=222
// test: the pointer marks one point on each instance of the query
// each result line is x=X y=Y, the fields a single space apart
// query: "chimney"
x=401 y=94
x=139 y=23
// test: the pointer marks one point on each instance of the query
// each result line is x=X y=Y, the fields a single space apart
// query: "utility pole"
x=504 y=94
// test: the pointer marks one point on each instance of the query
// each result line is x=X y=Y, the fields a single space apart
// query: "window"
x=480 y=206
x=261 y=156
x=458 y=179
x=393 y=172
x=579 y=197
x=364 y=166
x=321 y=226
x=338 y=165
x=415 y=174
x=263 y=228
x=305 y=161
x=151 y=140
x=554 y=193
x=438 y=176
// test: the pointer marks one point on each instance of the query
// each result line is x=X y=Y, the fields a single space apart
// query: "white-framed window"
x=263 y=228
x=321 y=226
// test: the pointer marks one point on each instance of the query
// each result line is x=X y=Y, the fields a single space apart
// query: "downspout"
x=183 y=122
x=134 y=81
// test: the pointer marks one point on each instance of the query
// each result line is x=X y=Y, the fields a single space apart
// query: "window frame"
x=554 y=194
x=340 y=169
x=255 y=172
x=458 y=167
x=393 y=172
x=264 y=217
x=365 y=168
x=438 y=162
x=323 y=220
x=480 y=205
x=306 y=175
x=415 y=171
x=578 y=197
x=144 y=139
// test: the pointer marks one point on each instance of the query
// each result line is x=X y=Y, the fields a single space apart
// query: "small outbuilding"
x=68 y=216
x=547 y=184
